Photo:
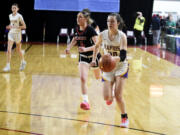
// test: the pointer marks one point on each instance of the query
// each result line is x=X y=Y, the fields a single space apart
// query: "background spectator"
x=156 y=29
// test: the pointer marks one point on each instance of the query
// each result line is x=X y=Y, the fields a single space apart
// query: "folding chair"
x=24 y=36
x=63 y=35
x=71 y=34
x=130 y=37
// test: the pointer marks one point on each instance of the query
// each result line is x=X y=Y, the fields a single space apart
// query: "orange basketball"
x=107 y=63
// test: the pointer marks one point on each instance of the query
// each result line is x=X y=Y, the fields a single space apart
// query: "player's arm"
x=73 y=42
x=124 y=43
x=8 y=27
x=22 y=25
x=97 y=29
x=91 y=48
x=123 y=50
x=94 y=38
x=96 y=48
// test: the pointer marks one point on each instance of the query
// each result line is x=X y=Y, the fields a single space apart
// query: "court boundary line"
x=27 y=49
x=99 y=123
x=19 y=131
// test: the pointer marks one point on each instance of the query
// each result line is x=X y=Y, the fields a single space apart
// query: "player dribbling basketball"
x=115 y=43
x=107 y=63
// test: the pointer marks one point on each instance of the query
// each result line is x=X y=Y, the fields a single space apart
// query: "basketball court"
x=44 y=99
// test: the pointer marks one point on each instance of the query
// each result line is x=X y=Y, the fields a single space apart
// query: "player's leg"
x=97 y=71
x=23 y=62
x=108 y=78
x=107 y=92
x=83 y=70
x=18 y=49
x=119 y=87
x=9 y=50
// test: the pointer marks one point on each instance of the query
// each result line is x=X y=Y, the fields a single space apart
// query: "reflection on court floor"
x=44 y=99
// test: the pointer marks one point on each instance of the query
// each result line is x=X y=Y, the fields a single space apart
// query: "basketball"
x=107 y=63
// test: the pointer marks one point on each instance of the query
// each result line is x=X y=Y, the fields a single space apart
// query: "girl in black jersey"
x=93 y=24
x=91 y=21
x=85 y=37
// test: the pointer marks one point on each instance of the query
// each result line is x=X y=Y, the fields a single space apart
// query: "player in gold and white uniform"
x=15 y=36
x=115 y=43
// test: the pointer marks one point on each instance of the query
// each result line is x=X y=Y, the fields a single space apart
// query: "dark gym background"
x=54 y=20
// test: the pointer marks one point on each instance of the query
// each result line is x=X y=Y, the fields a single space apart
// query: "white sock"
x=113 y=93
x=85 y=98
x=23 y=61
x=8 y=64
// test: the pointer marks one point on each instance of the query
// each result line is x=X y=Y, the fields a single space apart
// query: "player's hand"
x=9 y=27
x=108 y=54
x=116 y=58
x=93 y=64
x=67 y=51
x=82 y=49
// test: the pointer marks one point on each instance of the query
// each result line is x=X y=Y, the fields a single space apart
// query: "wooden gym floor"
x=44 y=99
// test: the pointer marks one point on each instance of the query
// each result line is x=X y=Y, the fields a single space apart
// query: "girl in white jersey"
x=14 y=36
x=115 y=43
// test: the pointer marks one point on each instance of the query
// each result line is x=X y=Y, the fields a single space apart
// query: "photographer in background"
x=139 y=27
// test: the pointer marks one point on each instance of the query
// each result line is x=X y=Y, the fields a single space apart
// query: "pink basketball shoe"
x=85 y=106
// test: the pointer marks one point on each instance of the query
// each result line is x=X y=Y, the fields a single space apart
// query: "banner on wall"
x=78 y=5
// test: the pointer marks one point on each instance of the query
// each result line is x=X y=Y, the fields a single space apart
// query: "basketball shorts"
x=15 y=37
x=88 y=59
x=121 y=69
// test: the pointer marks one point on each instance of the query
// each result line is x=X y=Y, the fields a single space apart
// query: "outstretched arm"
x=73 y=42
x=91 y=48
x=96 y=49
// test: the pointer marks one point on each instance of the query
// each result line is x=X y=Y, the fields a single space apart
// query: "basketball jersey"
x=112 y=46
x=84 y=38
x=15 y=21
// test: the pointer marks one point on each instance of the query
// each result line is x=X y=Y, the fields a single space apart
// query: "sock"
x=8 y=64
x=124 y=115
x=23 y=61
x=85 y=97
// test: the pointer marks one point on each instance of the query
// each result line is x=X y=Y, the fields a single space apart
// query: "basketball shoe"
x=7 y=68
x=85 y=105
x=109 y=102
x=124 y=123
x=22 y=66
